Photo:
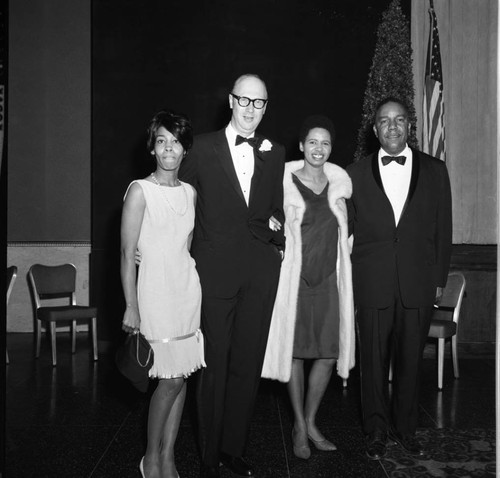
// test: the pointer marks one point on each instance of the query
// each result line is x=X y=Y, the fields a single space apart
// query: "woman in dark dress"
x=314 y=314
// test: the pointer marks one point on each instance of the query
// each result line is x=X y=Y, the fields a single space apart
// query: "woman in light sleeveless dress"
x=164 y=301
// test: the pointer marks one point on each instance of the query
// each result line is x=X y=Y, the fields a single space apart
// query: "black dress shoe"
x=236 y=464
x=376 y=445
x=209 y=472
x=409 y=442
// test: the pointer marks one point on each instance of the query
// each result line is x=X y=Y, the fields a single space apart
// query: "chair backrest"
x=453 y=293
x=52 y=281
x=11 y=278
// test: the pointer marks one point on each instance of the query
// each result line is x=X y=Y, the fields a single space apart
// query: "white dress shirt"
x=243 y=160
x=396 y=180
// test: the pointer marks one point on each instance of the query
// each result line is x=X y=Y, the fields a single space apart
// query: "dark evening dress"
x=317 y=322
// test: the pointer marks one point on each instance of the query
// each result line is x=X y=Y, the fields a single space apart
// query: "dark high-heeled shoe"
x=302 y=451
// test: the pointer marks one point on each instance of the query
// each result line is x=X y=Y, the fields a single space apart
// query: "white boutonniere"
x=266 y=145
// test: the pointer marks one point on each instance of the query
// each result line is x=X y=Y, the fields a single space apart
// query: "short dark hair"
x=176 y=123
x=316 y=121
x=390 y=99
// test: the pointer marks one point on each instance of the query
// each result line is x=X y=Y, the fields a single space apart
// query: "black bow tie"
x=251 y=141
x=399 y=159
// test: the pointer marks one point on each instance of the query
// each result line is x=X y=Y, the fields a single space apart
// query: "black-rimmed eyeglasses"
x=243 y=101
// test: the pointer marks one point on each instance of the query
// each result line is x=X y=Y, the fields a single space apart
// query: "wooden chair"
x=444 y=323
x=11 y=278
x=50 y=282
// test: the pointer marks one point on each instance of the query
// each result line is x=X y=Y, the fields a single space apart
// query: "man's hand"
x=137 y=257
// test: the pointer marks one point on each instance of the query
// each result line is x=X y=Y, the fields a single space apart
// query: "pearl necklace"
x=164 y=194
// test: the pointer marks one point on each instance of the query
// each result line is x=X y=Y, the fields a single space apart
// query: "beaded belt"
x=180 y=337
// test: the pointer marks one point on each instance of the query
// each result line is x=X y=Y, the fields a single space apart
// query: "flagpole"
x=430 y=45
x=497 y=361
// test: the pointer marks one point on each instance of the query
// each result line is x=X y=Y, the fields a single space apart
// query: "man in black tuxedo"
x=400 y=217
x=238 y=244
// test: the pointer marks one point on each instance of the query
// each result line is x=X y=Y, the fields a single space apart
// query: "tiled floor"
x=81 y=419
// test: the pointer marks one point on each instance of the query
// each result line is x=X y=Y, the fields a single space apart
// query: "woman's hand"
x=131 y=320
x=274 y=224
x=439 y=296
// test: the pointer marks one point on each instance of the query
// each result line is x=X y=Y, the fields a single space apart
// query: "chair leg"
x=440 y=353
x=390 y=371
x=73 y=336
x=454 y=356
x=7 y=356
x=94 y=336
x=38 y=337
x=53 y=342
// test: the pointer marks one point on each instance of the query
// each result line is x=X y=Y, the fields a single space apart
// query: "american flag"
x=433 y=109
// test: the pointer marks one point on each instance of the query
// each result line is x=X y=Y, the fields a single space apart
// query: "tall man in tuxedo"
x=400 y=216
x=238 y=245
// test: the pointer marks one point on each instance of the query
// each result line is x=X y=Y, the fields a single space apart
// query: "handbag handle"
x=137 y=352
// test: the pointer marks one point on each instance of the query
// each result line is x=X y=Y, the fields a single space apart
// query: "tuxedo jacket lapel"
x=257 y=171
x=223 y=153
x=414 y=174
x=378 y=181
x=415 y=170
x=376 y=172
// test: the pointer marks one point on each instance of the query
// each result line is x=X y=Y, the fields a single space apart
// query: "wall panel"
x=49 y=121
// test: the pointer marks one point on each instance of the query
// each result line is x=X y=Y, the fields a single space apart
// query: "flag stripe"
x=433 y=141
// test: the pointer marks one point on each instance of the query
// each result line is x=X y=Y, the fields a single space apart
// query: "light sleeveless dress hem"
x=183 y=375
x=177 y=357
